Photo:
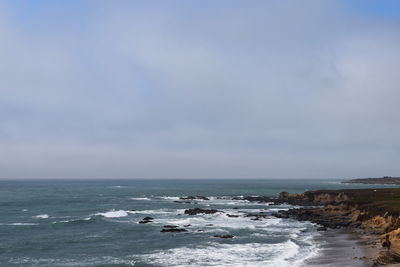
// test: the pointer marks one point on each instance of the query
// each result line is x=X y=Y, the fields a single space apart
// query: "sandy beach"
x=341 y=247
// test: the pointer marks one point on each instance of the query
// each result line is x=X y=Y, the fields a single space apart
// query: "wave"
x=113 y=214
x=124 y=213
x=42 y=216
x=221 y=222
x=19 y=224
x=250 y=254
x=169 y=198
x=140 y=198
x=159 y=211
x=74 y=220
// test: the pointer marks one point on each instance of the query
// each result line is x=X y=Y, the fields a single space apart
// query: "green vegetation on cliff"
x=374 y=201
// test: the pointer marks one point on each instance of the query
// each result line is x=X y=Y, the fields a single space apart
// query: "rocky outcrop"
x=173 y=230
x=146 y=220
x=330 y=216
x=194 y=197
x=170 y=226
x=376 y=211
x=196 y=211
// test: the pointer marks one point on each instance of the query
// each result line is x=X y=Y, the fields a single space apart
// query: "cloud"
x=268 y=89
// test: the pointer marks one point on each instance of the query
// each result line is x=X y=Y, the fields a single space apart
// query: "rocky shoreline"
x=367 y=211
x=371 y=214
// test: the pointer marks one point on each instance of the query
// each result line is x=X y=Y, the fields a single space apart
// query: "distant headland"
x=381 y=180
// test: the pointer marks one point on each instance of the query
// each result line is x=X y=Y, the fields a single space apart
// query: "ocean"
x=95 y=223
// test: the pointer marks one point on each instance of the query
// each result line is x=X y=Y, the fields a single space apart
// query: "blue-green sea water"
x=95 y=223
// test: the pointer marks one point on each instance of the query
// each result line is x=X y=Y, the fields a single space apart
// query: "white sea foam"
x=215 y=254
x=113 y=214
x=42 y=216
x=140 y=198
x=159 y=211
x=220 y=222
x=169 y=198
x=18 y=224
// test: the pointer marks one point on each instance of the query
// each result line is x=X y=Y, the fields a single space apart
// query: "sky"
x=199 y=89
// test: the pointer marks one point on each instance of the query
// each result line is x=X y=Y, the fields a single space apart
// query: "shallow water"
x=95 y=223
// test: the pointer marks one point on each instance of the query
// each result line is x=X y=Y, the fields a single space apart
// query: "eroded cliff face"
x=328 y=198
x=316 y=197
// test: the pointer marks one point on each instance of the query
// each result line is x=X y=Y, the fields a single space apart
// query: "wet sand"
x=345 y=248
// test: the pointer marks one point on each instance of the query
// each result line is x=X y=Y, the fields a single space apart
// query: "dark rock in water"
x=232 y=216
x=170 y=226
x=133 y=210
x=235 y=208
x=210 y=224
x=187 y=225
x=193 y=198
x=256 y=219
x=224 y=236
x=146 y=220
x=200 y=211
x=174 y=230
x=321 y=228
x=257 y=215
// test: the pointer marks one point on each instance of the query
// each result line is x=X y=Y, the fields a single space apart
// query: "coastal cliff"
x=375 y=211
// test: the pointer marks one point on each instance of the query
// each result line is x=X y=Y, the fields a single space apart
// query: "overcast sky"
x=199 y=89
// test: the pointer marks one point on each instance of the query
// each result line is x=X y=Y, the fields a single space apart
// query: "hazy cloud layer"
x=178 y=89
